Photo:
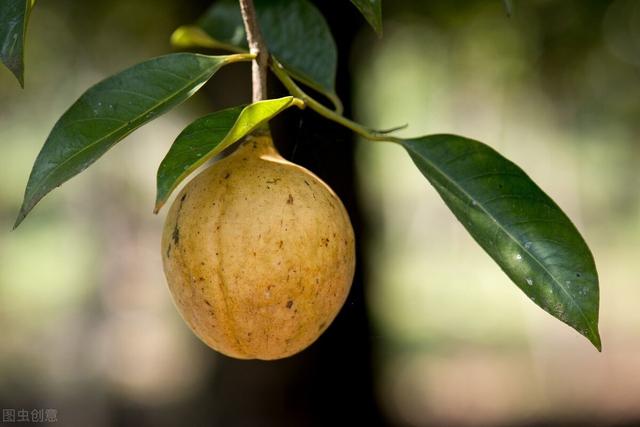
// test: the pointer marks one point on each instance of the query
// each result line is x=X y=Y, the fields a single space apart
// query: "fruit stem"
x=295 y=90
x=258 y=47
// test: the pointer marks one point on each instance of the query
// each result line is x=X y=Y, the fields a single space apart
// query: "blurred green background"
x=84 y=309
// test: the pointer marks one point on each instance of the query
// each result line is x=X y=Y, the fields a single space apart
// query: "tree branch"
x=258 y=47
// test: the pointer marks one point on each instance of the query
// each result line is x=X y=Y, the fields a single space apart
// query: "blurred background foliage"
x=85 y=315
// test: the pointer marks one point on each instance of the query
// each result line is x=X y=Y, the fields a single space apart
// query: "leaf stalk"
x=295 y=90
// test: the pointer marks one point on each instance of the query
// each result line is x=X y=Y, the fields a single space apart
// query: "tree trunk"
x=331 y=382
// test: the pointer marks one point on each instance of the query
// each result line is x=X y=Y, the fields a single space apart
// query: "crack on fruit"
x=273 y=181
x=176 y=234
x=169 y=251
x=289 y=303
x=322 y=325
x=227 y=175
x=290 y=200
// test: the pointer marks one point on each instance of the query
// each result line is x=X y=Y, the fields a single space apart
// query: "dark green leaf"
x=372 y=12
x=111 y=110
x=208 y=136
x=14 y=16
x=518 y=225
x=295 y=32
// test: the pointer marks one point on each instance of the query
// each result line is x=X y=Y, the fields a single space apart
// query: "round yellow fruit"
x=259 y=254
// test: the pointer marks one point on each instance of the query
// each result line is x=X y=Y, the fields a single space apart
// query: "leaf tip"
x=594 y=338
x=378 y=30
x=159 y=204
x=179 y=37
x=21 y=215
x=592 y=334
x=18 y=72
x=20 y=80
x=508 y=8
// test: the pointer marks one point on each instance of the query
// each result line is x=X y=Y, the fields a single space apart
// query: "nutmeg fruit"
x=259 y=254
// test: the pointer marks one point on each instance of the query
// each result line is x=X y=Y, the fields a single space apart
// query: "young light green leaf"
x=188 y=36
x=111 y=110
x=14 y=17
x=208 y=136
x=294 y=30
x=517 y=224
x=372 y=12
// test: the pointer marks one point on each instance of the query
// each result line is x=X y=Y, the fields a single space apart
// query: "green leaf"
x=295 y=32
x=14 y=16
x=372 y=12
x=517 y=224
x=112 y=109
x=208 y=136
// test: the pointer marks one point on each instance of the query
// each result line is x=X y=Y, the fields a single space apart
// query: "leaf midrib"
x=529 y=254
